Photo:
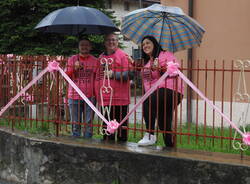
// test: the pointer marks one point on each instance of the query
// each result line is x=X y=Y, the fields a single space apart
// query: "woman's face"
x=148 y=46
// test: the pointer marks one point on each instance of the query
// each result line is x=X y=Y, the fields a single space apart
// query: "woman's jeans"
x=76 y=109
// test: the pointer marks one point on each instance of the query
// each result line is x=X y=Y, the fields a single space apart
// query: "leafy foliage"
x=19 y=17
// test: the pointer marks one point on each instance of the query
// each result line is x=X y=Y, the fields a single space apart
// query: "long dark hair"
x=156 y=51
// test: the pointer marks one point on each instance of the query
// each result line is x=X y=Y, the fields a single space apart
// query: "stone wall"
x=68 y=161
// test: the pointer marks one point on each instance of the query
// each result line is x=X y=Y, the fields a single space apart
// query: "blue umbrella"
x=169 y=25
x=77 y=20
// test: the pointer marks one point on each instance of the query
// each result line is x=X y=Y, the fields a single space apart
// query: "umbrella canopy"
x=77 y=20
x=169 y=25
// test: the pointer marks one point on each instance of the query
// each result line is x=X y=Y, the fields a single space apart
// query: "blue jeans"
x=76 y=109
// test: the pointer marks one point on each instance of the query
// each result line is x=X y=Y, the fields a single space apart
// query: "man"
x=112 y=85
x=81 y=68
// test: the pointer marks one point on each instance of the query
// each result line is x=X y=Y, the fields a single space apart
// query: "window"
x=136 y=54
x=125 y=38
x=126 y=6
x=108 y=4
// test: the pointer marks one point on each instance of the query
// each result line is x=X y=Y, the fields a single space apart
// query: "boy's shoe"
x=147 y=140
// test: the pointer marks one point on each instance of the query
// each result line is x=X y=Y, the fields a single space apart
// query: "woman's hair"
x=156 y=51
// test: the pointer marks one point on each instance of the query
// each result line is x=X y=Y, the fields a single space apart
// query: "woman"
x=163 y=101
x=112 y=85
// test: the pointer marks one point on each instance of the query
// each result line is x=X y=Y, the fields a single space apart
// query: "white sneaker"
x=147 y=140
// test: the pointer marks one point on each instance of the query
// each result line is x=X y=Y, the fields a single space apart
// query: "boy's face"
x=84 y=47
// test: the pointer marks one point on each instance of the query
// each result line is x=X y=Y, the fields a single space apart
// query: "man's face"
x=84 y=47
x=111 y=42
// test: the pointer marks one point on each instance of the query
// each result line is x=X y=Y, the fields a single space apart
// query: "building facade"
x=226 y=39
x=227 y=31
x=121 y=8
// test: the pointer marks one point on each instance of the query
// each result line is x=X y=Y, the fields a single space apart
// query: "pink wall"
x=227 y=25
x=227 y=37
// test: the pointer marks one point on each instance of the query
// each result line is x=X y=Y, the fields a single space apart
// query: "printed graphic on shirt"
x=84 y=75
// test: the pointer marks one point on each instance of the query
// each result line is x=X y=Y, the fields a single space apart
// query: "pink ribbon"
x=82 y=95
x=10 y=56
x=171 y=70
x=246 y=136
x=52 y=66
x=112 y=126
x=23 y=90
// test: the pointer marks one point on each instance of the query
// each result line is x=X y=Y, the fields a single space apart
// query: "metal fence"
x=44 y=107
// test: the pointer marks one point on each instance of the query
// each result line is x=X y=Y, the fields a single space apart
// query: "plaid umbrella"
x=169 y=25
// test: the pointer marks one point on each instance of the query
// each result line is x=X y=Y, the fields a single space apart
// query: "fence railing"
x=44 y=107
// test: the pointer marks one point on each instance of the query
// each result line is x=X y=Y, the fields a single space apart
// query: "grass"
x=215 y=143
x=188 y=136
x=197 y=138
x=32 y=127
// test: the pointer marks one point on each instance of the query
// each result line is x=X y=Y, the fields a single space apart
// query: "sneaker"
x=76 y=130
x=76 y=134
x=147 y=140
x=87 y=132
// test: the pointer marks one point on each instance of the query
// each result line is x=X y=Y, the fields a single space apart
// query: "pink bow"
x=112 y=126
x=53 y=66
x=172 y=68
x=10 y=56
x=246 y=138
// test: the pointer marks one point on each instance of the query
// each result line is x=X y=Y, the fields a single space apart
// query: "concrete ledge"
x=65 y=160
